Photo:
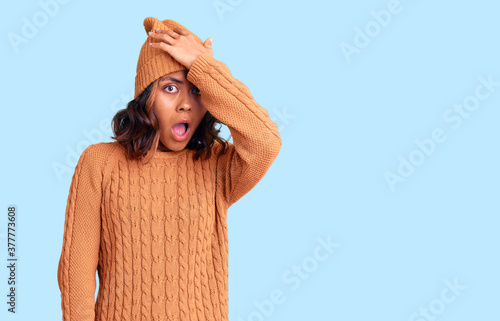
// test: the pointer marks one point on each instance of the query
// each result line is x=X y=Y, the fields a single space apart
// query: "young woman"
x=148 y=210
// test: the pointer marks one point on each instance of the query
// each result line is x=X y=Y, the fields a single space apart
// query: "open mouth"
x=181 y=131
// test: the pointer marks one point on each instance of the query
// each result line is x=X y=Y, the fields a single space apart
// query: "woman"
x=148 y=210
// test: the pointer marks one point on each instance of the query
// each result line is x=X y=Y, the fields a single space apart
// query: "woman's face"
x=177 y=100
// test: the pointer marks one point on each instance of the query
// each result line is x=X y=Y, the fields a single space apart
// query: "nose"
x=184 y=104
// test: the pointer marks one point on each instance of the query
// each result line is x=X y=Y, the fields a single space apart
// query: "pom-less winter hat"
x=153 y=62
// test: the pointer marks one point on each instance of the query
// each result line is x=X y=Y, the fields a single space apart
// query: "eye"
x=197 y=90
x=169 y=86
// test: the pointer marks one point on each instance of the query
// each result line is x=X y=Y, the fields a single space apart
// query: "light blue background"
x=343 y=125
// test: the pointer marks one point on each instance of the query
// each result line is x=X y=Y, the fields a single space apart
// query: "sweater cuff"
x=198 y=66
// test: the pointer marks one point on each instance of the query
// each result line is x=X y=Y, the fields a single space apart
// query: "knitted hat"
x=154 y=62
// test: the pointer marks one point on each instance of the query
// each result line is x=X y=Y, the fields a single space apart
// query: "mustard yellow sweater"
x=156 y=232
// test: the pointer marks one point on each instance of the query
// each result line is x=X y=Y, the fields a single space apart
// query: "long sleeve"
x=256 y=140
x=80 y=250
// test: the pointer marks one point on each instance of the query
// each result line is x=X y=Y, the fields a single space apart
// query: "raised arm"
x=256 y=140
x=77 y=267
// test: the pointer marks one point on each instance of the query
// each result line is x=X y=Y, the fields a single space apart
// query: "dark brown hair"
x=136 y=128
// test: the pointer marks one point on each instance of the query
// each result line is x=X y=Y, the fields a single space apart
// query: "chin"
x=176 y=146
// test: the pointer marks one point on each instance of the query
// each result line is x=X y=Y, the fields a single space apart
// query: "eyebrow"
x=171 y=78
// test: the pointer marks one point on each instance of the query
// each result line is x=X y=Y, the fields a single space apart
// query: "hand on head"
x=181 y=45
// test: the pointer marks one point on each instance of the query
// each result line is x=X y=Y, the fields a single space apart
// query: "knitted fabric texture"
x=154 y=63
x=156 y=232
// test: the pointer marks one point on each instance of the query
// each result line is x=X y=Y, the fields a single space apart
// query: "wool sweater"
x=156 y=231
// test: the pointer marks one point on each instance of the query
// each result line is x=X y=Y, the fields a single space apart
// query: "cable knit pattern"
x=156 y=232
